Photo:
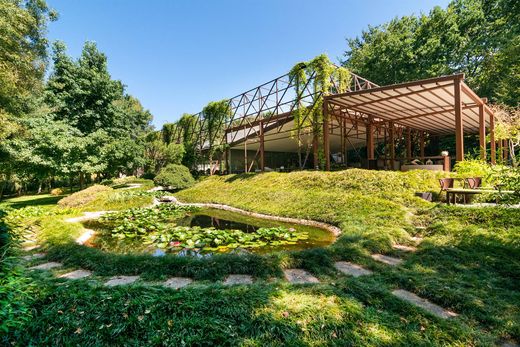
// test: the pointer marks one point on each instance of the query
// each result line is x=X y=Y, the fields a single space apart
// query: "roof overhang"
x=426 y=105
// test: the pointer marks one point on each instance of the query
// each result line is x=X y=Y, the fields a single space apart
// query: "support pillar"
x=392 y=144
x=261 y=136
x=459 y=125
x=492 y=141
x=370 y=139
x=482 y=132
x=408 y=143
x=326 y=143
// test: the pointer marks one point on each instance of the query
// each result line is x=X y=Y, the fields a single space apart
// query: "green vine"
x=324 y=73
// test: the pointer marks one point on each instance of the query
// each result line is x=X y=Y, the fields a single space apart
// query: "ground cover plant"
x=467 y=262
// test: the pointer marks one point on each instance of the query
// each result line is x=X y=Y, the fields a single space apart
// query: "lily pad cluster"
x=211 y=239
x=156 y=226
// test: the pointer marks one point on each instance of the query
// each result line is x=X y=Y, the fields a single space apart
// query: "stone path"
x=76 y=274
x=120 y=280
x=238 y=279
x=87 y=216
x=299 y=276
x=386 y=259
x=177 y=282
x=34 y=256
x=46 y=266
x=404 y=248
x=351 y=269
x=423 y=303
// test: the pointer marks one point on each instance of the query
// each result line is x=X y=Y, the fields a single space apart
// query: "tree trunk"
x=39 y=187
x=81 y=180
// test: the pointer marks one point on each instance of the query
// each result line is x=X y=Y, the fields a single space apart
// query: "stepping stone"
x=417 y=239
x=30 y=248
x=509 y=343
x=404 y=248
x=386 y=259
x=238 y=279
x=351 y=269
x=34 y=256
x=77 y=274
x=424 y=304
x=120 y=280
x=177 y=282
x=87 y=234
x=299 y=276
x=46 y=266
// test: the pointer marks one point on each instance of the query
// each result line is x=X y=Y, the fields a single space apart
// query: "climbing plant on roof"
x=215 y=116
x=327 y=78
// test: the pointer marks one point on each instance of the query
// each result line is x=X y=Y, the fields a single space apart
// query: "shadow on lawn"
x=17 y=203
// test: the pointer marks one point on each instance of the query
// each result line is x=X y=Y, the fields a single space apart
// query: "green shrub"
x=84 y=196
x=175 y=176
x=473 y=168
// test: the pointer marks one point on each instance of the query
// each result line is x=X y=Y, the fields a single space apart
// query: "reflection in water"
x=206 y=221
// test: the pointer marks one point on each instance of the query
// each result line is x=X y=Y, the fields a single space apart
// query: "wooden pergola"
x=437 y=106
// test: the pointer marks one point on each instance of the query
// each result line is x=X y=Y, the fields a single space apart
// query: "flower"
x=175 y=243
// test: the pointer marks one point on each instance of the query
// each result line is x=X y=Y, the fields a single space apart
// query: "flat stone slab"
x=404 y=248
x=177 y=282
x=238 y=279
x=417 y=239
x=121 y=280
x=386 y=259
x=299 y=276
x=76 y=274
x=351 y=269
x=31 y=247
x=87 y=216
x=423 y=303
x=85 y=236
x=46 y=266
x=34 y=256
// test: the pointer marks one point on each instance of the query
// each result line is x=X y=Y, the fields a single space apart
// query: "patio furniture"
x=446 y=183
x=451 y=193
x=473 y=182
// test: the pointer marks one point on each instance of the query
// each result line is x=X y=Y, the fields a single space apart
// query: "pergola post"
x=482 y=131
x=326 y=143
x=391 y=139
x=459 y=126
x=492 y=141
x=370 y=139
x=408 y=143
x=421 y=143
x=261 y=136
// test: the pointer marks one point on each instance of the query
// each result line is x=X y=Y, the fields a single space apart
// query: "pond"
x=233 y=232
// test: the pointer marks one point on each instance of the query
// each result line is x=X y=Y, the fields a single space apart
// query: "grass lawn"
x=468 y=262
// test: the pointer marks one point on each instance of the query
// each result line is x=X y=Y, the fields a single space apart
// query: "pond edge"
x=331 y=228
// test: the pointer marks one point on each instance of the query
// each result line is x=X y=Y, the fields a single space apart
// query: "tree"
x=476 y=37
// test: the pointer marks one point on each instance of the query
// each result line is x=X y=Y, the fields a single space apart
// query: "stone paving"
x=34 y=256
x=299 y=276
x=423 y=303
x=238 y=279
x=404 y=248
x=351 y=269
x=46 y=266
x=177 y=282
x=120 y=280
x=76 y=274
x=386 y=259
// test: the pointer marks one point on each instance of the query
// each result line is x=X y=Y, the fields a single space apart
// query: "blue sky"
x=176 y=56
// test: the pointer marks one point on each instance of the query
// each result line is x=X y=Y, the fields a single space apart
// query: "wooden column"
x=408 y=143
x=492 y=142
x=261 y=136
x=391 y=139
x=326 y=143
x=506 y=151
x=370 y=139
x=421 y=143
x=245 y=152
x=459 y=125
x=482 y=131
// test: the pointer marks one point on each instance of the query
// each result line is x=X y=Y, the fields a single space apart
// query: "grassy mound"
x=83 y=197
x=361 y=202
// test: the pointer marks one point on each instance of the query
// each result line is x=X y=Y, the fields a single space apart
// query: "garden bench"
x=452 y=192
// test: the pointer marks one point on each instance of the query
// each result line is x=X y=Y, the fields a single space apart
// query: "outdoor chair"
x=445 y=183
x=473 y=182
